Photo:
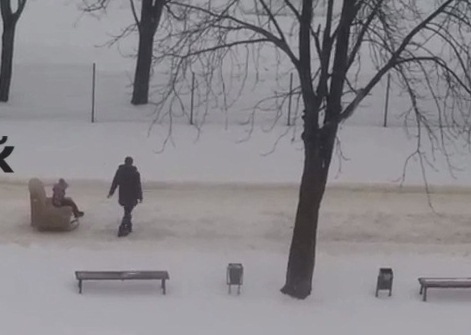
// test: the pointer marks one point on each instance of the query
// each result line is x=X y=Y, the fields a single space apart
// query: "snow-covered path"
x=193 y=231
x=248 y=213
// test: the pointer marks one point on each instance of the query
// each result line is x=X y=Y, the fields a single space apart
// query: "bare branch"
x=293 y=9
x=392 y=61
x=364 y=28
x=134 y=13
x=21 y=7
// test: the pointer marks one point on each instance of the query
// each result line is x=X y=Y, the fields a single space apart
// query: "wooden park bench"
x=121 y=275
x=426 y=283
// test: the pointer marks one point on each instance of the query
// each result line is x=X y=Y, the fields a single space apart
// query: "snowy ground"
x=40 y=293
x=194 y=231
x=248 y=214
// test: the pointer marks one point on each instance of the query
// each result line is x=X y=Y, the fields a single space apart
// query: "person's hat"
x=128 y=160
x=63 y=182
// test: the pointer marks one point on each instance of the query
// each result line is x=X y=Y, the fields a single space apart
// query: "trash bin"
x=235 y=274
x=385 y=280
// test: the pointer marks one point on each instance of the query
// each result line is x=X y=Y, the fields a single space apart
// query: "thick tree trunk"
x=151 y=12
x=140 y=95
x=319 y=145
x=6 y=66
x=303 y=245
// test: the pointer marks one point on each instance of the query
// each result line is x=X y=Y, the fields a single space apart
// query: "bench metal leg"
x=80 y=286
x=425 y=294
x=238 y=290
x=421 y=289
x=163 y=286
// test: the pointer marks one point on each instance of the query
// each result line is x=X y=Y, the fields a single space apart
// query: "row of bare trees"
x=146 y=23
x=424 y=46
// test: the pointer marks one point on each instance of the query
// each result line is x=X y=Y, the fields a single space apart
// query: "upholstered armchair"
x=45 y=216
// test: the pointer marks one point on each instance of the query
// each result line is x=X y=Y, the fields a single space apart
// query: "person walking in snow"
x=128 y=179
x=59 y=199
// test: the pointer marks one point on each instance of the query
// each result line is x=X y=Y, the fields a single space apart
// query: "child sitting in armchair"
x=59 y=199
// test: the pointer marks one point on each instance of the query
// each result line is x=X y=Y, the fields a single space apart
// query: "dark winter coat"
x=58 y=192
x=129 y=181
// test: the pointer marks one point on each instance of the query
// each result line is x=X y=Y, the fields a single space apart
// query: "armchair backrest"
x=38 y=200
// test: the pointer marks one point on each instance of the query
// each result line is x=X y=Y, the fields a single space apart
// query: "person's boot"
x=123 y=230
x=127 y=222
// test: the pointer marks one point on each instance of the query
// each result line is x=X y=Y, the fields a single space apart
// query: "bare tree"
x=340 y=50
x=10 y=20
x=146 y=26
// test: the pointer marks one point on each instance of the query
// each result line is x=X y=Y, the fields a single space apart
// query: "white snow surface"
x=194 y=231
x=223 y=194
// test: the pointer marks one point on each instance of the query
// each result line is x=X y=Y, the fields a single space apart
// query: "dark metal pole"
x=386 y=104
x=192 y=96
x=93 y=92
x=289 y=99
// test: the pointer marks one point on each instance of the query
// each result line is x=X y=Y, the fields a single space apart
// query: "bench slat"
x=445 y=282
x=445 y=279
x=120 y=275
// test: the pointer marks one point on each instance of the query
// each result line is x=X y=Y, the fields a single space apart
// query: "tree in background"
x=146 y=25
x=340 y=50
x=10 y=19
